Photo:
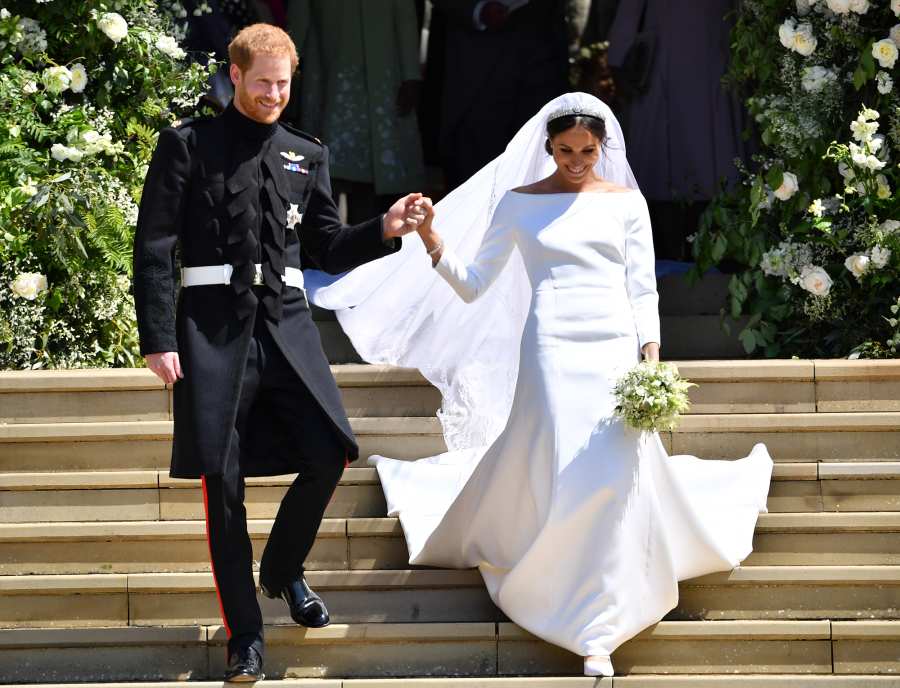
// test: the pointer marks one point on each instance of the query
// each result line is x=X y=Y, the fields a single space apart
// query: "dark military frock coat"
x=222 y=191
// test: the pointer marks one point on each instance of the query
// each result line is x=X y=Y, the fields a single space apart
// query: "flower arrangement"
x=651 y=396
x=84 y=87
x=815 y=227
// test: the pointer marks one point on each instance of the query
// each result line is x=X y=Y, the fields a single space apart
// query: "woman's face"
x=575 y=152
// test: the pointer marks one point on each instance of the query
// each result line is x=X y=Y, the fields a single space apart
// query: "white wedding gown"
x=580 y=526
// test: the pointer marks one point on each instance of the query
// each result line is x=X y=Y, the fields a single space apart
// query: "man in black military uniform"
x=248 y=202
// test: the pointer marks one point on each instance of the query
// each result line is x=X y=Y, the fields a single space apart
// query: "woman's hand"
x=432 y=240
x=650 y=350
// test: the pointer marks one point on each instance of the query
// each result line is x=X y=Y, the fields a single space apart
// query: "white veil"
x=399 y=311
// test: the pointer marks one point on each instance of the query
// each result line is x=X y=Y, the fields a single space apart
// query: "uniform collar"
x=246 y=128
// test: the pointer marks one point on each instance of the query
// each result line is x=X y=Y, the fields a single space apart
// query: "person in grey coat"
x=682 y=126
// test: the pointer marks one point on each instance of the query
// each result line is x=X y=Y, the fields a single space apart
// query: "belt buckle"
x=257 y=275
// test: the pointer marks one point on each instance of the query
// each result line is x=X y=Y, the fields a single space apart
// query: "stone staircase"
x=104 y=573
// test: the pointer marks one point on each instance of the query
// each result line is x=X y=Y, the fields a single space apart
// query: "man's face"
x=262 y=91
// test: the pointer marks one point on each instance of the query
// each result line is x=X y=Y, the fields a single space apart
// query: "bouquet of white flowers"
x=651 y=396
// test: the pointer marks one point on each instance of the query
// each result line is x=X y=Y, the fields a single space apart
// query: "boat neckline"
x=575 y=193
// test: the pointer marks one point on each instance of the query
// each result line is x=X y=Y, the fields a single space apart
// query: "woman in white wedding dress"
x=580 y=526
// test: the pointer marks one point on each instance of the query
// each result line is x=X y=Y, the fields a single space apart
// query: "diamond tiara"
x=575 y=111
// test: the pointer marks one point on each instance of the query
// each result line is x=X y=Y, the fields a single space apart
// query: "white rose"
x=884 y=82
x=859 y=6
x=786 y=33
x=58 y=152
x=30 y=87
x=113 y=25
x=815 y=280
x=814 y=79
x=895 y=34
x=170 y=47
x=885 y=51
x=4 y=13
x=895 y=7
x=79 y=78
x=61 y=152
x=888 y=227
x=838 y=6
x=56 y=79
x=788 y=188
x=857 y=264
x=804 y=40
x=97 y=143
x=880 y=256
x=28 y=285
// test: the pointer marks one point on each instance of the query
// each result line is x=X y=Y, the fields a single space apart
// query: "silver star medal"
x=294 y=216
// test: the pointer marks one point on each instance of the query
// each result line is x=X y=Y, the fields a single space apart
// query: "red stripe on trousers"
x=211 y=562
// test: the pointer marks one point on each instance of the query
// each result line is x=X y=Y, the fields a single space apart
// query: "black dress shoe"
x=306 y=607
x=244 y=666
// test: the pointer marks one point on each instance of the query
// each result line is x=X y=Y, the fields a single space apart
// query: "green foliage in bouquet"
x=651 y=396
x=84 y=87
x=815 y=226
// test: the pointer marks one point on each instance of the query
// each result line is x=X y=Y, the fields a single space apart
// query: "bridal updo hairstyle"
x=558 y=125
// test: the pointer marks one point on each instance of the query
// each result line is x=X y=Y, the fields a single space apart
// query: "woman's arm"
x=469 y=281
x=640 y=279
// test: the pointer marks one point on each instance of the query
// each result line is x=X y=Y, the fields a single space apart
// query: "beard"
x=255 y=109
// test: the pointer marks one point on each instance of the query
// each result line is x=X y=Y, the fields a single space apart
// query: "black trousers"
x=270 y=383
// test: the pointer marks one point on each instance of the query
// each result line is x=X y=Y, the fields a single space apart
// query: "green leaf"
x=867 y=60
x=860 y=77
x=775 y=177
x=747 y=338
x=719 y=246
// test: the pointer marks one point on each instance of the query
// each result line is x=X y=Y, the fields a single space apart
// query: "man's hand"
x=404 y=216
x=166 y=365
x=651 y=351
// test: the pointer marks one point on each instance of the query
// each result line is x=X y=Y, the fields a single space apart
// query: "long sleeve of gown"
x=471 y=281
x=640 y=274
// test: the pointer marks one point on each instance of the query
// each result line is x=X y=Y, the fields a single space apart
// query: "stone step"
x=59 y=396
x=153 y=495
x=790 y=437
x=648 y=681
x=463 y=649
x=377 y=544
x=789 y=386
x=434 y=596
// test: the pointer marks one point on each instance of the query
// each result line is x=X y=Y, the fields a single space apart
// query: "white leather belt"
x=221 y=274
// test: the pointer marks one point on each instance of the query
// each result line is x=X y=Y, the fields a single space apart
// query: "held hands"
x=404 y=216
x=166 y=365
x=433 y=243
x=650 y=350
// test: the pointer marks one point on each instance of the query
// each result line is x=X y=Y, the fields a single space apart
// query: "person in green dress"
x=359 y=85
